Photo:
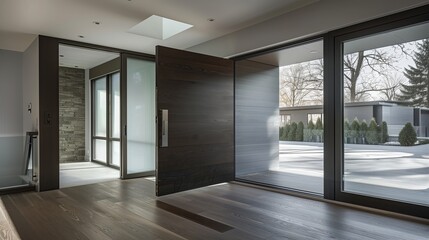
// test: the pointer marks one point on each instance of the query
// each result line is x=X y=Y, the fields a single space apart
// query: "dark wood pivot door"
x=195 y=103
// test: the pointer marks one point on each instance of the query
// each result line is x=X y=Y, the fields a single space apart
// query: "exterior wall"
x=396 y=117
x=301 y=115
x=424 y=123
x=72 y=114
x=361 y=112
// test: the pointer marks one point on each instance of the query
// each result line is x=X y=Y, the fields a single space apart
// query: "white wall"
x=11 y=136
x=10 y=93
x=30 y=88
x=317 y=18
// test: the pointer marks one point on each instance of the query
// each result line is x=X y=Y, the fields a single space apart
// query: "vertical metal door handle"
x=164 y=128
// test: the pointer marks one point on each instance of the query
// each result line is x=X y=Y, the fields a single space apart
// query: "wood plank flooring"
x=128 y=209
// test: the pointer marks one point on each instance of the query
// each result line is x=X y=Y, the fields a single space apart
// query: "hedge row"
x=361 y=133
x=297 y=132
x=356 y=132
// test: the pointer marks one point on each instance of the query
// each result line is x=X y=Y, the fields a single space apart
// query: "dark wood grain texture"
x=129 y=209
x=197 y=90
x=256 y=117
x=105 y=68
x=49 y=172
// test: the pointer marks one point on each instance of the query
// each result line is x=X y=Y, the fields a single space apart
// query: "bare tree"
x=301 y=84
x=391 y=86
x=360 y=70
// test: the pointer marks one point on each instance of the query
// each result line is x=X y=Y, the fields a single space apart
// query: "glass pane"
x=140 y=116
x=100 y=107
x=116 y=114
x=298 y=96
x=115 y=148
x=100 y=150
x=386 y=115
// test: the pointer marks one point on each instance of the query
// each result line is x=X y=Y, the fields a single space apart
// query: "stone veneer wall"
x=72 y=114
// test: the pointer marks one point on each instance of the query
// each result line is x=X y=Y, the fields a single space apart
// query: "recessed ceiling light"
x=96 y=22
x=61 y=55
x=211 y=19
x=81 y=36
x=159 y=27
x=313 y=51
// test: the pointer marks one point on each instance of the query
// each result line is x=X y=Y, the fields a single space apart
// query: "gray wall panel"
x=256 y=117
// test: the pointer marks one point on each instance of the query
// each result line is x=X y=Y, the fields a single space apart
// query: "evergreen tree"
x=319 y=130
x=310 y=125
x=286 y=131
x=319 y=124
x=417 y=90
x=363 y=130
x=384 y=132
x=346 y=130
x=292 y=133
x=300 y=132
x=372 y=135
x=407 y=136
x=354 y=130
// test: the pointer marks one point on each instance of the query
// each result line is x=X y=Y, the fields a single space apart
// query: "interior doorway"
x=89 y=116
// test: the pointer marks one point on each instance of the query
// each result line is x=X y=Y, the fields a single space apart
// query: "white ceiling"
x=83 y=58
x=69 y=19
x=292 y=55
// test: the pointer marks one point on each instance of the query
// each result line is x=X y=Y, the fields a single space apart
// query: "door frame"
x=49 y=177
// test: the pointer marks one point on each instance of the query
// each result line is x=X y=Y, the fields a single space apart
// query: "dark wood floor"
x=128 y=209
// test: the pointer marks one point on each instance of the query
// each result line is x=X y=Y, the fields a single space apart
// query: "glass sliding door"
x=106 y=120
x=138 y=117
x=386 y=115
x=279 y=118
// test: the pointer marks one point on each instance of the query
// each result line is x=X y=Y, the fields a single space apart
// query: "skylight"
x=159 y=27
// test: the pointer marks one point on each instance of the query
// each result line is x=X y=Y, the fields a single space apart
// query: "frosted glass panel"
x=100 y=107
x=116 y=114
x=140 y=116
x=100 y=150
x=115 y=148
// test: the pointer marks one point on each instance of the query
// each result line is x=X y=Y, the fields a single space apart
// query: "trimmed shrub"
x=407 y=136
x=319 y=124
x=310 y=125
x=354 y=130
x=318 y=131
x=384 y=136
x=308 y=135
x=300 y=132
x=286 y=131
x=281 y=129
x=346 y=130
x=363 y=130
x=292 y=132
x=372 y=136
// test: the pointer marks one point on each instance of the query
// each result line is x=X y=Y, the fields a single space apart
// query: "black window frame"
x=333 y=106
x=108 y=138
